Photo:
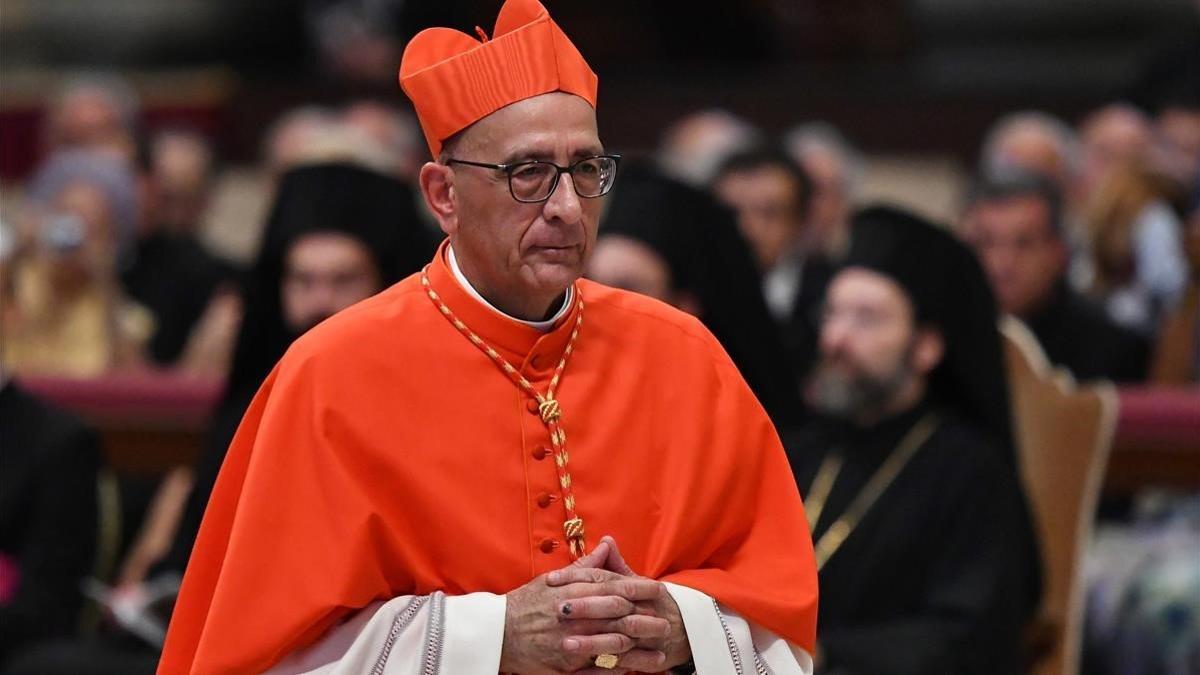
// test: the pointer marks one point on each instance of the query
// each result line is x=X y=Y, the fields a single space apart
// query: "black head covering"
x=375 y=209
x=949 y=290
x=707 y=257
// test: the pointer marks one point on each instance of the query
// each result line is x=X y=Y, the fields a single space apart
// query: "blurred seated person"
x=836 y=170
x=1137 y=248
x=48 y=519
x=771 y=196
x=925 y=550
x=1032 y=141
x=1014 y=222
x=1177 y=354
x=172 y=273
x=673 y=242
x=70 y=317
x=336 y=234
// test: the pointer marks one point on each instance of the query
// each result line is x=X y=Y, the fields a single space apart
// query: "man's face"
x=867 y=343
x=1021 y=254
x=181 y=168
x=325 y=273
x=768 y=210
x=509 y=248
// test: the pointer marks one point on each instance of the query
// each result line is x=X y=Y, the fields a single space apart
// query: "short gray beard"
x=858 y=396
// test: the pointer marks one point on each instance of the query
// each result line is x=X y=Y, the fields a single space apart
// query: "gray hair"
x=112 y=87
x=725 y=134
x=1065 y=139
x=821 y=136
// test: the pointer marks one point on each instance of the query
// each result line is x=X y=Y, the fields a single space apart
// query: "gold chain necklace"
x=548 y=407
x=840 y=530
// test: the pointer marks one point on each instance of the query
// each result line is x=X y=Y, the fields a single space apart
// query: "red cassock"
x=387 y=455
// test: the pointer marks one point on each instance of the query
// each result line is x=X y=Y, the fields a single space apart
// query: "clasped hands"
x=561 y=621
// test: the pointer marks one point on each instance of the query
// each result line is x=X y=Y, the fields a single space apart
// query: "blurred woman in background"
x=69 y=316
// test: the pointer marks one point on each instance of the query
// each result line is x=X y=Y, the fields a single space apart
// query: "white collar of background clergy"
x=544 y=326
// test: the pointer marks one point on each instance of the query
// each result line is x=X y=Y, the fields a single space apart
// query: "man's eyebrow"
x=528 y=156
x=589 y=151
x=518 y=156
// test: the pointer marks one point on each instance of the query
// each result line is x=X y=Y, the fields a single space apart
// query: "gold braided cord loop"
x=548 y=407
x=573 y=529
x=550 y=411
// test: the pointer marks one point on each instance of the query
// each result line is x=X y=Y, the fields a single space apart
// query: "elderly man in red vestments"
x=422 y=482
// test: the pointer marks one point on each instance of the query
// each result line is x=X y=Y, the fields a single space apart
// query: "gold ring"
x=606 y=661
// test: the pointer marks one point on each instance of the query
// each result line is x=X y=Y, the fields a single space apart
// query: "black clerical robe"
x=174 y=276
x=1077 y=335
x=48 y=466
x=936 y=578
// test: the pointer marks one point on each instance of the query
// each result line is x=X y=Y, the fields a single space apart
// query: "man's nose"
x=563 y=203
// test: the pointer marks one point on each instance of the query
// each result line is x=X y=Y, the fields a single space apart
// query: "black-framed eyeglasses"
x=534 y=181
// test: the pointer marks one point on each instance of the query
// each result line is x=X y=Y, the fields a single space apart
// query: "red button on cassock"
x=532 y=406
x=548 y=545
x=539 y=453
x=544 y=499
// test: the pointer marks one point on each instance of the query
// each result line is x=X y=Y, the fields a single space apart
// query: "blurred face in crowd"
x=292 y=139
x=1180 y=129
x=90 y=117
x=622 y=262
x=874 y=359
x=1030 y=147
x=181 y=166
x=394 y=132
x=325 y=273
x=695 y=147
x=520 y=256
x=768 y=209
x=830 y=206
x=1022 y=254
x=1113 y=135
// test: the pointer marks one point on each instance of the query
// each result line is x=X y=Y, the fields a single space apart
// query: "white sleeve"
x=1158 y=253
x=410 y=635
x=724 y=643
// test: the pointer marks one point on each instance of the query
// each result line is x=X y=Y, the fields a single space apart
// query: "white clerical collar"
x=544 y=326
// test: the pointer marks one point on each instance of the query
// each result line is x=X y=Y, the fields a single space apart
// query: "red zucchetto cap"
x=455 y=80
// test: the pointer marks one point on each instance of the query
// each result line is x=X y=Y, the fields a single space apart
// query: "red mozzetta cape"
x=386 y=455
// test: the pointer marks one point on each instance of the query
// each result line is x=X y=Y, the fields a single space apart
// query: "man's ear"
x=928 y=349
x=437 y=187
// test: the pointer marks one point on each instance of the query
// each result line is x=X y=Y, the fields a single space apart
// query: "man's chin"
x=567 y=256
x=550 y=272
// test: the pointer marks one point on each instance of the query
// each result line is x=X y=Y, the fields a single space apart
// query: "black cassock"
x=937 y=576
x=48 y=517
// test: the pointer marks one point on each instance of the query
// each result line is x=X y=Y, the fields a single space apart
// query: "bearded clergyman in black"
x=926 y=557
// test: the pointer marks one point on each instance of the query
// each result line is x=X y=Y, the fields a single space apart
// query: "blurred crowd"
x=1088 y=231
